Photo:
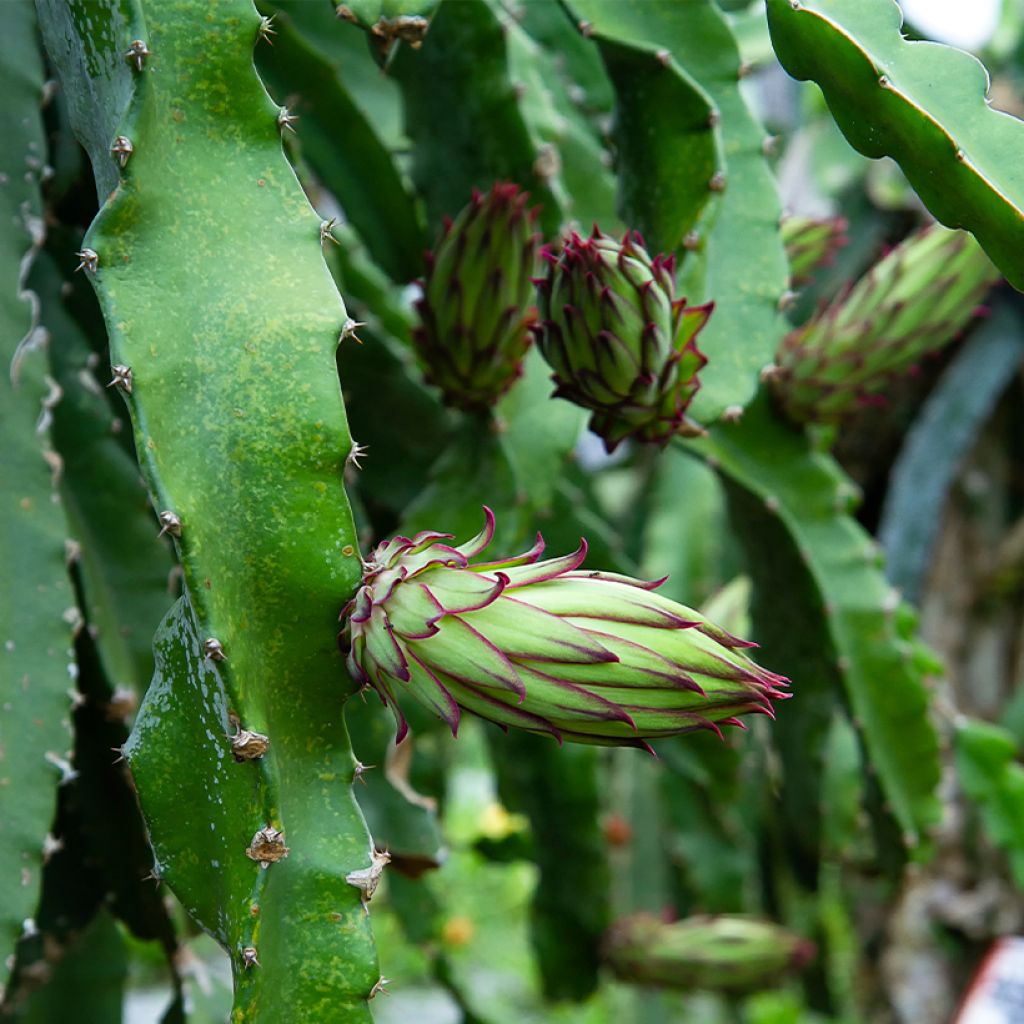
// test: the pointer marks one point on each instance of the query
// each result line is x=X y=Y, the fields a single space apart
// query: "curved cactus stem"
x=987 y=759
x=37 y=603
x=223 y=323
x=562 y=136
x=869 y=634
x=711 y=805
x=463 y=64
x=665 y=131
x=934 y=448
x=126 y=566
x=923 y=104
x=91 y=54
x=734 y=255
x=569 y=851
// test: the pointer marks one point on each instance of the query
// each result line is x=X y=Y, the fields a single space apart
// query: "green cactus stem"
x=223 y=322
x=923 y=104
x=850 y=622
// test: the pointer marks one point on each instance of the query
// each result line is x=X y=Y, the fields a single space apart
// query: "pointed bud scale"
x=811 y=242
x=589 y=657
x=618 y=340
x=476 y=311
x=913 y=302
x=727 y=954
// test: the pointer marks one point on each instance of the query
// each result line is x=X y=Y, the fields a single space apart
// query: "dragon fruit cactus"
x=914 y=302
x=592 y=657
x=476 y=311
x=619 y=341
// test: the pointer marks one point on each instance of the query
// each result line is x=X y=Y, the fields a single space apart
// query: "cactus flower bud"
x=592 y=657
x=914 y=301
x=476 y=311
x=811 y=242
x=728 y=954
x=618 y=340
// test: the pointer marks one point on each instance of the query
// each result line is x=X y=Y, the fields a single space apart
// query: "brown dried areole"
x=267 y=846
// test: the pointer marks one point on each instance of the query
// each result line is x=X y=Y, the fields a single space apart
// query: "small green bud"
x=618 y=340
x=811 y=242
x=476 y=311
x=913 y=302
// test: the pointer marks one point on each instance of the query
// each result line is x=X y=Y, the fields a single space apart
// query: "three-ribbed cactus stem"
x=223 y=321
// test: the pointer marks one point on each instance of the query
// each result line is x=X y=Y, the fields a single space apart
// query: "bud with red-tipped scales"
x=476 y=311
x=619 y=341
x=915 y=301
x=592 y=657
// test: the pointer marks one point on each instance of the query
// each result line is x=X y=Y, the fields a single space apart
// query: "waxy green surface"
x=881 y=667
x=922 y=103
x=216 y=295
x=463 y=66
x=36 y=665
x=665 y=135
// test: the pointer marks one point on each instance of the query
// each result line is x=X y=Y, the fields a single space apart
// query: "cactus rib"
x=223 y=322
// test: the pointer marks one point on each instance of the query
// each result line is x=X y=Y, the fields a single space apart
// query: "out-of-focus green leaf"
x=344 y=150
x=37 y=604
x=88 y=981
x=937 y=443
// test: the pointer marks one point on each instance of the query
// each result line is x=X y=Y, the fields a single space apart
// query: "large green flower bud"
x=914 y=301
x=587 y=656
x=729 y=954
x=477 y=306
x=619 y=341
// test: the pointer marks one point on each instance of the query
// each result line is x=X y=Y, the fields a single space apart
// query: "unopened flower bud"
x=619 y=341
x=593 y=657
x=477 y=306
